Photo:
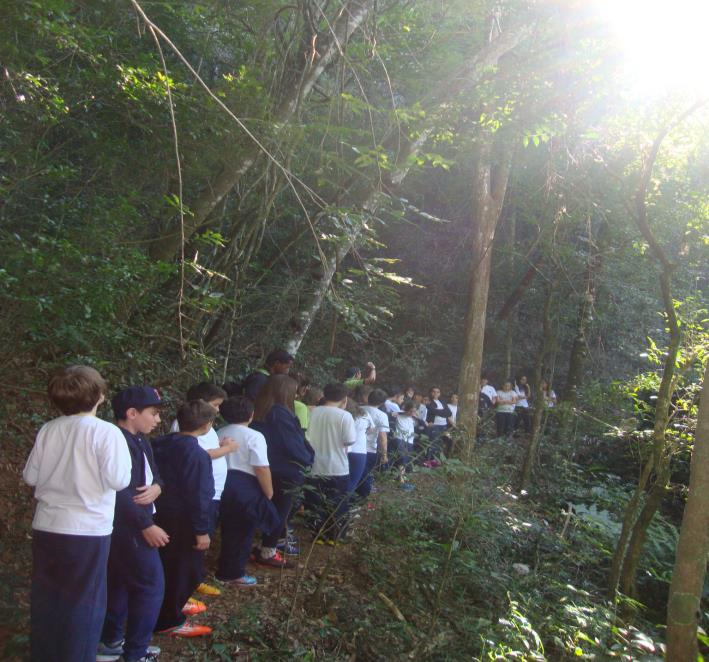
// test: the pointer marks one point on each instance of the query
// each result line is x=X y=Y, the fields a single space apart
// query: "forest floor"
x=460 y=568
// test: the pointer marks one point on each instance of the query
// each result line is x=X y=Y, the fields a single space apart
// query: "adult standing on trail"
x=278 y=362
x=438 y=415
x=524 y=393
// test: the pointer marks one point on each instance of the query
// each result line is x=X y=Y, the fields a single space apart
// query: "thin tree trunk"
x=490 y=176
x=350 y=19
x=486 y=58
x=577 y=356
x=623 y=572
x=539 y=402
x=691 y=559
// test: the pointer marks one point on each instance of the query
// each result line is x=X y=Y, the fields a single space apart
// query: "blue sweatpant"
x=183 y=566
x=364 y=488
x=358 y=464
x=327 y=505
x=135 y=592
x=68 y=597
x=244 y=508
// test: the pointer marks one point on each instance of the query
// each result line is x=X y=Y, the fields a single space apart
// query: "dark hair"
x=278 y=356
x=237 y=409
x=278 y=390
x=377 y=397
x=76 y=389
x=313 y=396
x=395 y=390
x=361 y=392
x=408 y=405
x=438 y=388
x=334 y=392
x=233 y=388
x=195 y=414
x=206 y=391
x=352 y=372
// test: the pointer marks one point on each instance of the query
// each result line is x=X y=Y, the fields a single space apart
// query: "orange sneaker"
x=208 y=589
x=194 y=607
x=188 y=629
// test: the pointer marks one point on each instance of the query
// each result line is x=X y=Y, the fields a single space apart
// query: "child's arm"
x=226 y=445
x=113 y=456
x=382 y=445
x=31 y=471
x=263 y=476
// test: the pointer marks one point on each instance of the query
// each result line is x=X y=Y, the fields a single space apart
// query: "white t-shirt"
x=252 y=451
x=454 y=412
x=439 y=420
x=506 y=407
x=392 y=407
x=330 y=432
x=362 y=425
x=381 y=424
x=405 y=428
x=209 y=442
x=489 y=391
x=422 y=412
x=76 y=465
x=522 y=395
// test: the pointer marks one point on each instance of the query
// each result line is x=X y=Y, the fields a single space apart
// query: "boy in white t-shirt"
x=331 y=432
x=405 y=433
x=216 y=449
x=77 y=464
x=377 y=440
x=246 y=500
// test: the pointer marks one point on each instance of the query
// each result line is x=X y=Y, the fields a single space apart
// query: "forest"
x=449 y=189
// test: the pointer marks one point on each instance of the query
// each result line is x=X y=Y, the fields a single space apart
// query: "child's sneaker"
x=276 y=561
x=208 y=589
x=194 y=607
x=187 y=629
x=109 y=652
x=148 y=657
x=246 y=580
x=288 y=547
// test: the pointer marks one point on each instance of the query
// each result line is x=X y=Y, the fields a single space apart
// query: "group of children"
x=122 y=524
x=511 y=403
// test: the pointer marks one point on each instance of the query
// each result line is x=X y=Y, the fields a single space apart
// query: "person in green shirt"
x=354 y=377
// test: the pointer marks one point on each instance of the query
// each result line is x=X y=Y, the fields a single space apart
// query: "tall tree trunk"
x=481 y=63
x=691 y=559
x=539 y=403
x=490 y=176
x=577 y=356
x=625 y=558
x=350 y=18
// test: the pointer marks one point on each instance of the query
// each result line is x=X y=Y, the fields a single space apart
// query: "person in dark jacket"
x=184 y=512
x=289 y=454
x=278 y=362
x=438 y=415
x=135 y=574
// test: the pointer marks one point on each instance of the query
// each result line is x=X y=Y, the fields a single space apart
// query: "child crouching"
x=184 y=512
x=246 y=500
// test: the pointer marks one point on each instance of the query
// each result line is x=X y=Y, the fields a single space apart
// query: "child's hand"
x=202 y=542
x=148 y=494
x=228 y=442
x=155 y=536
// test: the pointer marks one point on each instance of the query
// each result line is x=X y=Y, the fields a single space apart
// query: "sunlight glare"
x=664 y=44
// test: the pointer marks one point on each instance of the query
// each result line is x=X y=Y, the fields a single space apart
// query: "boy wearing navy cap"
x=135 y=576
x=183 y=511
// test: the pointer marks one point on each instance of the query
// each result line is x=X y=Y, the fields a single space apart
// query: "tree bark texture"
x=350 y=18
x=489 y=184
x=693 y=546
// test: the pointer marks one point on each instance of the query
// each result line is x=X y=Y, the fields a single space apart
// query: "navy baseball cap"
x=139 y=397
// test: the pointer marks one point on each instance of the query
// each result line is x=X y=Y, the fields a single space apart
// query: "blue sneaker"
x=109 y=652
x=288 y=547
